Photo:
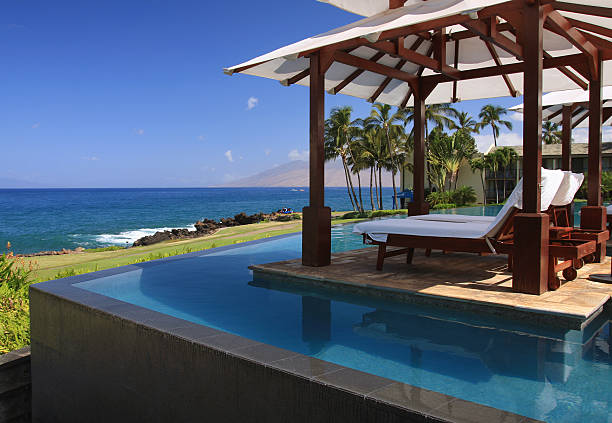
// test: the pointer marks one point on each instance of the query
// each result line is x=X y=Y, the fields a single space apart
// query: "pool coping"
x=380 y=390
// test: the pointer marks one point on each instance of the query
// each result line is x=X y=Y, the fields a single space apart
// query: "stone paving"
x=453 y=276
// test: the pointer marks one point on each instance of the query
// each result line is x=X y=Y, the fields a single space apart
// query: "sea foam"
x=128 y=237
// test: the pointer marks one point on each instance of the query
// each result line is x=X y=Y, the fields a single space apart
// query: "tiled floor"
x=454 y=276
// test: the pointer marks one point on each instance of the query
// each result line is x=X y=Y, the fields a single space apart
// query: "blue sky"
x=132 y=93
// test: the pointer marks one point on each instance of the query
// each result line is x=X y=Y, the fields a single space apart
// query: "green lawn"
x=54 y=267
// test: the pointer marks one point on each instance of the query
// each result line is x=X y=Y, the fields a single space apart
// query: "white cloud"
x=581 y=135
x=298 y=155
x=252 y=102
x=268 y=151
x=240 y=158
x=36 y=125
x=139 y=131
x=484 y=142
x=228 y=154
x=201 y=137
x=91 y=158
x=517 y=116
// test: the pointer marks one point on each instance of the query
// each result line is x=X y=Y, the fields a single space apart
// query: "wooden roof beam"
x=400 y=64
x=581 y=119
x=571 y=75
x=558 y=24
x=386 y=82
x=353 y=75
x=368 y=65
x=418 y=74
x=495 y=56
x=548 y=63
x=606 y=32
x=488 y=31
x=604 y=12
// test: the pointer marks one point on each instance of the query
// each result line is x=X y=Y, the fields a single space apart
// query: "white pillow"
x=551 y=181
x=568 y=189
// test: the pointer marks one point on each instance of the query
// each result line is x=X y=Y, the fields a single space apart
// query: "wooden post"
x=530 y=258
x=566 y=138
x=593 y=215
x=316 y=230
x=418 y=205
x=595 y=117
x=566 y=151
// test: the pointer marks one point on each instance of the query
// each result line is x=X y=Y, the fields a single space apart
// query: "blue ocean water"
x=547 y=374
x=51 y=219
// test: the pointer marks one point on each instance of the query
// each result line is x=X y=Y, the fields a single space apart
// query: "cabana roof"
x=380 y=57
x=552 y=106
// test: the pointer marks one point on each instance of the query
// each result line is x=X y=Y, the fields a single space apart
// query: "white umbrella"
x=290 y=64
x=552 y=103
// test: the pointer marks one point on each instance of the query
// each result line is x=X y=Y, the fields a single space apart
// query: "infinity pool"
x=553 y=375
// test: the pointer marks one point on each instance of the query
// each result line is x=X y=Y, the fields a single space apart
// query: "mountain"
x=295 y=174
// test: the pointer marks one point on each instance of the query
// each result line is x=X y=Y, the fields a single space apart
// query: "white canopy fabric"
x=553 y=102
x=287 y=62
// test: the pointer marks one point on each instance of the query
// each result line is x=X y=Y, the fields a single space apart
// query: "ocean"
x=35 y=220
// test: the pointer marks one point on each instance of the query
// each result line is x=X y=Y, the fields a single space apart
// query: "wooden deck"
x=457 y=280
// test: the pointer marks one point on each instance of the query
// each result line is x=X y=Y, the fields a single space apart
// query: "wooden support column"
x=593 y=215
x=530 y=258
x=566 y=151
x=566 y=138
x=316 y=230
x=418 y=204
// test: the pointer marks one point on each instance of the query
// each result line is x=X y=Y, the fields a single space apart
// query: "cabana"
x=570 y=109
x=409 y=53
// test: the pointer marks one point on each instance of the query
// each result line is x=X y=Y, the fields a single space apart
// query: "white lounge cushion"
x=459 y=218
x=379 y=229
x=569 y=187
x=609 y=209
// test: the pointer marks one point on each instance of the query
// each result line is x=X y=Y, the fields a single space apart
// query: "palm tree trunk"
x=484 y=192
x=371 y=197
x=360 y=199
x=380 y=185
x=496 y=188
x=375 y=184
x=504 y=182
x=394 y=190
x=427 y=154
x=346 y=177
x=348 y=172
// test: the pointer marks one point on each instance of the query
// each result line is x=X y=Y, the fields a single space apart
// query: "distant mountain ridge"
x=295 y=174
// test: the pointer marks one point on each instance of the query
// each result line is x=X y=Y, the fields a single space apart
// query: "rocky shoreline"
x=202 y=228
x=208 y=227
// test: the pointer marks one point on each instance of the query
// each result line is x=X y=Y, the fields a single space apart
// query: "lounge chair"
x=479 y=234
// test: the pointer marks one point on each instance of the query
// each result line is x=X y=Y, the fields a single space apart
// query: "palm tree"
x=492 y=163
x=505 y=156
x=439 y=115
x=382 y=115
x=491 y=115
x=551 y=133
x=374 y=152
x=466 y=123
x=479 y=164
x=339 y=133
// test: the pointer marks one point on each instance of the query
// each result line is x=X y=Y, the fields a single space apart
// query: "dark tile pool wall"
x=91 y=366
x=15 y=387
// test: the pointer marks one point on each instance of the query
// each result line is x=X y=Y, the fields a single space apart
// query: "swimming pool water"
x=553 y=375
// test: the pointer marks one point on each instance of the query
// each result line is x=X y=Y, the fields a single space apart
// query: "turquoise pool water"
x=560 y=376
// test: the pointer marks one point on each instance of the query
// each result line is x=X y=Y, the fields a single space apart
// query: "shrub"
x=464 y=195
x=461 y=197
x=444 y=206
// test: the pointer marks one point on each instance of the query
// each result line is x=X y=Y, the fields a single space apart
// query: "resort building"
x=551 y=159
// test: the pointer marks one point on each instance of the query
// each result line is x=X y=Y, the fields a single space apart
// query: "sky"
x=132 y=93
